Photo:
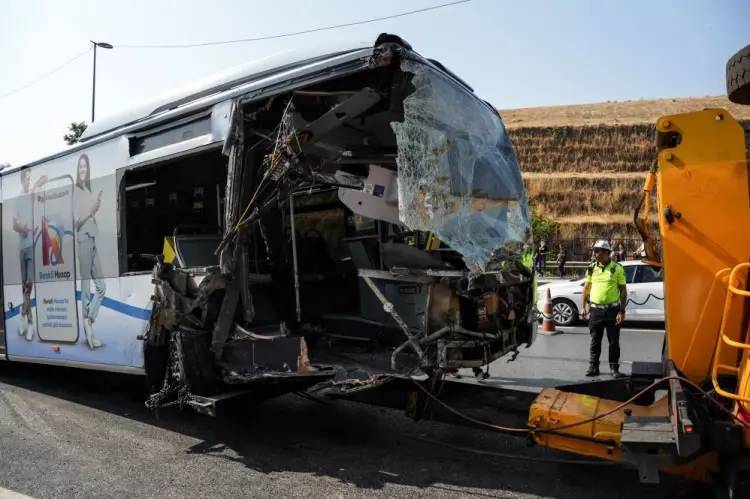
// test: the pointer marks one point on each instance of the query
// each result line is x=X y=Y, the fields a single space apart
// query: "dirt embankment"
x=584 y=165
x=585 y=149
x=588 y=179
x=634 y=112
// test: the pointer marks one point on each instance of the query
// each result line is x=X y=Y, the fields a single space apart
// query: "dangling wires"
x=272 y=161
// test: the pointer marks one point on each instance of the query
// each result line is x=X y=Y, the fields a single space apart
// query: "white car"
x=645 y=295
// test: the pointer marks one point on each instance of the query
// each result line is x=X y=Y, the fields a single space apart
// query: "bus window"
x=183 y=197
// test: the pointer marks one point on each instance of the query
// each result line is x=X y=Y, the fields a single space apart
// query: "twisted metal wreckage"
x=375 y=220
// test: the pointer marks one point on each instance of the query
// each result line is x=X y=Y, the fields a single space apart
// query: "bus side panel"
x=121 y=319
x=69 y=264
x=2 y=324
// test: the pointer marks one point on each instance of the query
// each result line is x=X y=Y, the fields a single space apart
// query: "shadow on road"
x=364 y=446
x=657 y=326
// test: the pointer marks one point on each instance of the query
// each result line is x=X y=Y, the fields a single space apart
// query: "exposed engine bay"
x=374 y=226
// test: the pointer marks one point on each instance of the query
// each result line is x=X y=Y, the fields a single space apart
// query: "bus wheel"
x=155 y=363
x=196 y=361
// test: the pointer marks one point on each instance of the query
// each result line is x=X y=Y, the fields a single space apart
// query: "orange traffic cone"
x=548 y=325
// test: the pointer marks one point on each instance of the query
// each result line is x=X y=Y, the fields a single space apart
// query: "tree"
x=542 y=227
x=76 y=129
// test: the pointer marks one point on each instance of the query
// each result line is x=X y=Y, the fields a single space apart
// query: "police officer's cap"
x=602 y=244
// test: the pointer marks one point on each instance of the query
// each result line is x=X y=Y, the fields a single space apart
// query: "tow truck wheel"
x=738 y=77
x=564 y=312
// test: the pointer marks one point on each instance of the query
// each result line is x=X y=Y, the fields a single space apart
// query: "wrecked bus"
x=337 y=219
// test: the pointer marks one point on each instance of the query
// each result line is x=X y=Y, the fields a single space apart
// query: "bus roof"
x=226 y=85
x=221 y=82
x=208 y=90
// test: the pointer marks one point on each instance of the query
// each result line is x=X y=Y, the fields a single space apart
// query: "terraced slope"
x=584 y=165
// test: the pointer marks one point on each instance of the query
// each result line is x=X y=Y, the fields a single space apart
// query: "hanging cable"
x=286 y=35
x=618 y=407
x=226 y=42
x=45 y=75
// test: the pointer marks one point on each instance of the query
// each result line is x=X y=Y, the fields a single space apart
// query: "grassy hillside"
x=588 y=149
x=584 y=165
x=615 y=113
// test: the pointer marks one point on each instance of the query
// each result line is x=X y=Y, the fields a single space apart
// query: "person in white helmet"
x=604 y=299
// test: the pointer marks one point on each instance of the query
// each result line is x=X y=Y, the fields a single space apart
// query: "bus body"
x=352 y=207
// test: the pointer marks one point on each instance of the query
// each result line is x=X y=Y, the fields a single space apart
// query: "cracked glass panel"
x=458 y=175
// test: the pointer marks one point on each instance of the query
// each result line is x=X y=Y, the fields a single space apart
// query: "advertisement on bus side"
x=64 y=297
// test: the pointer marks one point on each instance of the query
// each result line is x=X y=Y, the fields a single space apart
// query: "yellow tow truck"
x=690 y=413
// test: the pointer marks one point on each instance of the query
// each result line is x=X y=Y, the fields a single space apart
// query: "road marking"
x=9 y=494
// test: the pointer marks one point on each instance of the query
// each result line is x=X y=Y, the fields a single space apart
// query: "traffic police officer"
x=604 y=300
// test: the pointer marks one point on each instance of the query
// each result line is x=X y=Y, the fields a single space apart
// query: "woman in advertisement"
x=87 y=205
x=23 y=225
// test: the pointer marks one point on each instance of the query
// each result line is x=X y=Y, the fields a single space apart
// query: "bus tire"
x=197 y=361
x=155 y=364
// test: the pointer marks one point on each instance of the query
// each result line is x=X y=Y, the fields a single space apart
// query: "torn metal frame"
x=457 y=180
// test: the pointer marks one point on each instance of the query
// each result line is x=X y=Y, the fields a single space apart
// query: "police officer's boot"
x=615 y=368
x=593 y=370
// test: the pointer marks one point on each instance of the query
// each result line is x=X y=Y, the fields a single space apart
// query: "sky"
x=514 y=53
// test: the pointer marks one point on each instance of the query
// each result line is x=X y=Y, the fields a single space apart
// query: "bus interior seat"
x=196 y=250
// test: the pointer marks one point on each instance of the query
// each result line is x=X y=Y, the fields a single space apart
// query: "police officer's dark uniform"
x=604 y=306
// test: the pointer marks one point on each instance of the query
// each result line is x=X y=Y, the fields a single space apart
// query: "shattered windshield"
x=458 y=176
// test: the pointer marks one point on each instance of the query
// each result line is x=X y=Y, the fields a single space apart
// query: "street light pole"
x=93 y=87
x=103 y=45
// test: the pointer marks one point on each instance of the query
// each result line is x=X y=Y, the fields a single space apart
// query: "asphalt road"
x=66 y=433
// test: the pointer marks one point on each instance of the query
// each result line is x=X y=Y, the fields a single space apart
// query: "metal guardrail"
x=572 y=269
x=579 y=249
